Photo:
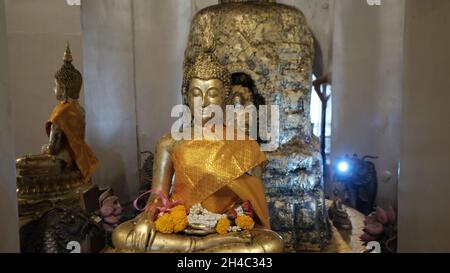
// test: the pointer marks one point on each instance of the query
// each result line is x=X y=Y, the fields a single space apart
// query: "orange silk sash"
x=214 y=173
x=70 y=119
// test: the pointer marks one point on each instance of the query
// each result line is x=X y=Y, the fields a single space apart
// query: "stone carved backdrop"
x=318 y=13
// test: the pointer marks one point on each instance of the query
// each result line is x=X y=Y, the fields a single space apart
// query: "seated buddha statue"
x=215 y=174
x=66 y=162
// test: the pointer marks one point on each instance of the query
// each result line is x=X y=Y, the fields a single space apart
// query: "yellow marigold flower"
x=178 y=215
x=164 y=224
x=179 y=208
x=180 y=226
x=180 y=220
x=245 y=222
x=222 y=225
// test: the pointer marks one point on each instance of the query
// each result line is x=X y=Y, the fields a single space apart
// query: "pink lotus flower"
x=111 y=212
x=374 y=229
x=382 y=216
x=391 y=215
x=381 y=226
x=367 y=238
x=370 y=219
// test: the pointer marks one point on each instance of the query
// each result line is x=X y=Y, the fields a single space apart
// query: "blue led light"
x=343 y=166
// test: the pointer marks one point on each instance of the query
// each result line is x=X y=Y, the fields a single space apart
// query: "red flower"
x=248 y=208
x=234 y=213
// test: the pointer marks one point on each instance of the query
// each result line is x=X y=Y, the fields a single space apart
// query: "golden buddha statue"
x=215 y=174
x=66 y=163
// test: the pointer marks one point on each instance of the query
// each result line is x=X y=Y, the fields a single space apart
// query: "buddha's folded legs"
x=263 y=241
x=255 y=241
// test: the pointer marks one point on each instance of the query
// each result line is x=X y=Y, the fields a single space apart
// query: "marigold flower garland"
x=173 y=222
x=245 y=222
x=173 y=218
x=223 y=225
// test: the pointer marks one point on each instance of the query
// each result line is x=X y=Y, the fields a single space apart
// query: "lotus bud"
x=370 y=219
x=367 y=238
x=374 y=229
x=106 y=211
x=382 y=216
x=391 y=215
x=110 y=211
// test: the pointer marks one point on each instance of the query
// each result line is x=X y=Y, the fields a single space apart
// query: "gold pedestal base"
x=38 y=195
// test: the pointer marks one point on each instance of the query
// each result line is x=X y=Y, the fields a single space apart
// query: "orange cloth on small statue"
x=70 y=119
x=214 y=174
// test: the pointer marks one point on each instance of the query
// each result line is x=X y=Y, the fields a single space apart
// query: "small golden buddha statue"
x=214 y=174
x=66 y=162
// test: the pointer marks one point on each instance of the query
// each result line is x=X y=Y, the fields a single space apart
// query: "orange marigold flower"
x=179 y=208
x=245 y=222
x=179 y=219
x=222 y=225
x=180 y=225
x=164 y=224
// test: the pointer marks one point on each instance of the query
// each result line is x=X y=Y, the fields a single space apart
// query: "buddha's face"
x=241 y=95
x=208 y=92
x=59 y=91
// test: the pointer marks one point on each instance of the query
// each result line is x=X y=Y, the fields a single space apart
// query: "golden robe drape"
x=214 y=174
x=70 y=119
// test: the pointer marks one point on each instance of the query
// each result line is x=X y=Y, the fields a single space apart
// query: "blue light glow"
x=343 y=167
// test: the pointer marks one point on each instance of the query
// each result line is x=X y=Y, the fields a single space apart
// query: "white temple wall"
x=160 y=41
x=367 y=86
x=37 y=34
x=109 y=74
x=424 y=186
x=133 y=53
x=9 y=226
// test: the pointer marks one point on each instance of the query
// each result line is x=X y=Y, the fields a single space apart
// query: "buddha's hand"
x=143 y=231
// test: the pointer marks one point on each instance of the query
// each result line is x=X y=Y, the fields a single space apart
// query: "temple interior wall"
x=9 y=235
x=129 y=93
x=424 y=181
x=367 y=87
x=37 y=34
